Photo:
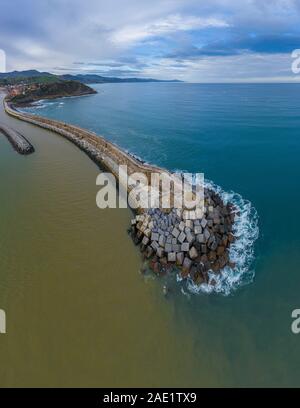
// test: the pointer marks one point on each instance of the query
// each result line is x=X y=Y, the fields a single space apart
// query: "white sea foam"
x=241 y=252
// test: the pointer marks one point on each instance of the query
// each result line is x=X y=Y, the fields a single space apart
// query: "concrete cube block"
x=185 y=247
x=171 y=257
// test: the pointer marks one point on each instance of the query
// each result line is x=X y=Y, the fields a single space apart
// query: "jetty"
x=194 y=242
x=18 y=141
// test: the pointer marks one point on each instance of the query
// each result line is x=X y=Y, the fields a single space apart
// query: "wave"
x=241 y=252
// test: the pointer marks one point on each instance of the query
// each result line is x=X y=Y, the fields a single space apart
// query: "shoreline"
x=196 y=244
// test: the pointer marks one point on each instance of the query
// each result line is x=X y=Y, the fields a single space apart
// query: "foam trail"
x=241 y=252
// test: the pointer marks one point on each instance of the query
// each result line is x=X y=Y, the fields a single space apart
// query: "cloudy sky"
x=191 y=40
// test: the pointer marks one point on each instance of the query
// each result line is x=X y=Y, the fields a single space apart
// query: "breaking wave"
x=241 y=252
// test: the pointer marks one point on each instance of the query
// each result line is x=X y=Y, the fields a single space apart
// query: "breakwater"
x=196 y=243
x=19 y=142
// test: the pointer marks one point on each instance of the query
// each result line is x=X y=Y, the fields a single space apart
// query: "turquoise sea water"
x=245 y=138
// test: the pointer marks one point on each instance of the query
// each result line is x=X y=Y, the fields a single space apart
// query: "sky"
x=190 y=40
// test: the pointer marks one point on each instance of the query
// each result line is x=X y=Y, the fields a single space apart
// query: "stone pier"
x=193 y=242
x=19 y=142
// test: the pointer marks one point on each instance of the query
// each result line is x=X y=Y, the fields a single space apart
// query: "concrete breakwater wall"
x=106 y=154
x=197 y=242
x=19 y=142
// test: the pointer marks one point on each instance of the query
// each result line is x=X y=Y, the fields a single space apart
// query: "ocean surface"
x=80 y=313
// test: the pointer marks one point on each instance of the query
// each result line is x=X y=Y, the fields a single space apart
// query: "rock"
x=206 y=234
x=203 y=222
x=198 y=229
x=164 y=261
x=175 y=232
x=185 y=247
x=171 y=257
x=220 y=250
x=181 y=226
x=147 y=232
x=155 y=245
x=187 y=263
x=162 y=240
x=190 y=237
x=179 y=258
x=200 y=238
x=154 y=236
x=148 y=252
x=189 y=224
x=203 y=249
x=210 y=223
x=181 y=237
x=212 y=256
x=168 y=247
x=145 y=240
x=203 y=259
x=160 y=252
x=176 y=248
x=198 y=278
x=193 y=253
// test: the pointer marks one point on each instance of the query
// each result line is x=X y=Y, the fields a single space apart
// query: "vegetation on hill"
x=51 y=90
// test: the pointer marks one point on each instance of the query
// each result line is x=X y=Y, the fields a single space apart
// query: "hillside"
x=53 y=90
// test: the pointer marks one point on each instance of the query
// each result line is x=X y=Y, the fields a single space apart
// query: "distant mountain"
x=36 y=76
x=24 y=74
x=98 y=79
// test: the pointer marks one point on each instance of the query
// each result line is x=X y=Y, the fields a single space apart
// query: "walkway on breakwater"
x=19 y=142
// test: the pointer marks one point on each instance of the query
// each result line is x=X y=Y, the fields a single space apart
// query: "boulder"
x=155 y=245
x=162 y=240
x=200 y=238
x=154 y=236
x=198 y=229
x=181 y=237
x=203 y=249
x=220 y=250
x=145 y=240
x=212 y=256
x=190 y=237
x=171 y=257
x=187 y=263
x=185 y=247
x=181 y=226
x=160 y=252
x=193 y=253
x=168 y=247
x=179 y=258
x=175 y=232
x=203 y=222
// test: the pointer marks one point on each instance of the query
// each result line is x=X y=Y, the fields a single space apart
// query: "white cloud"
x=171 y=24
